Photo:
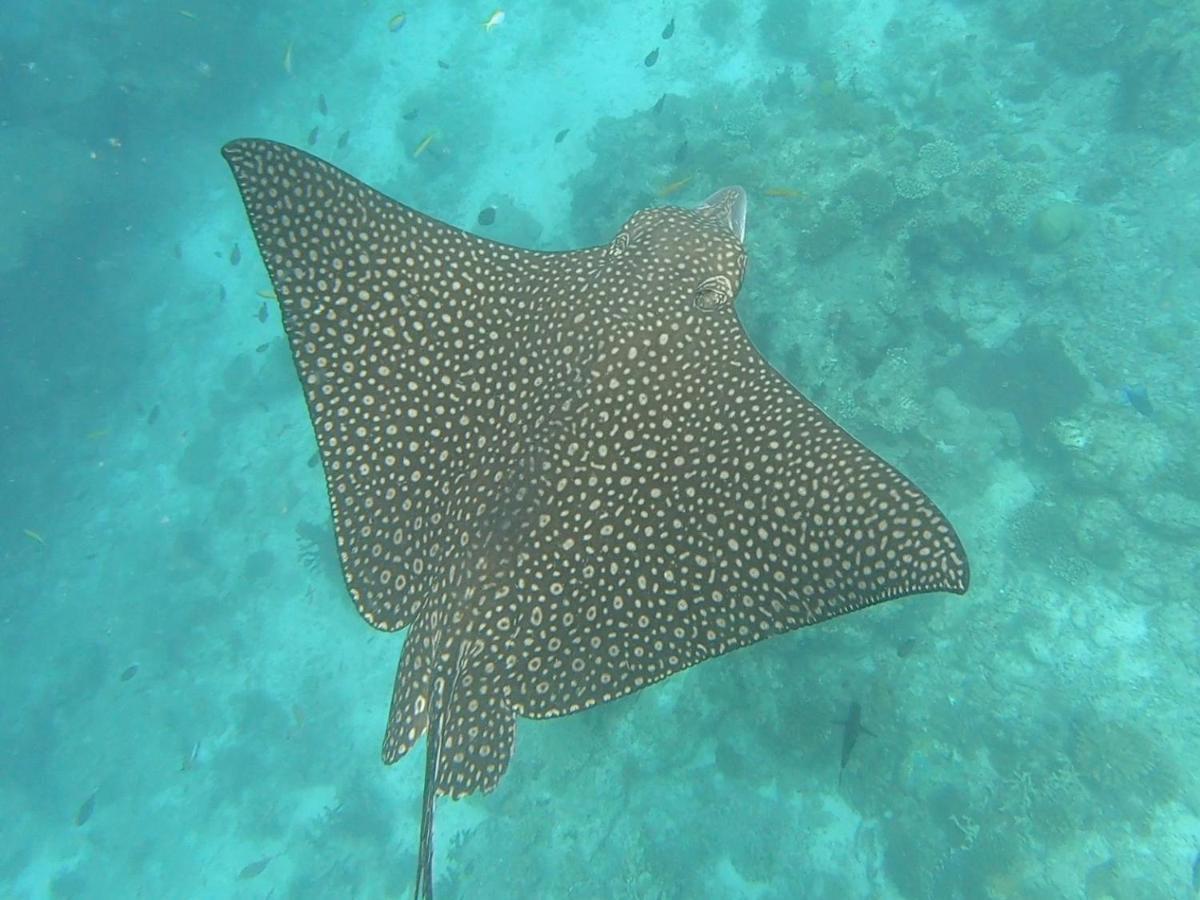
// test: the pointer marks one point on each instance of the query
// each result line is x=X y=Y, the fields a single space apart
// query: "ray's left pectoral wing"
x=716 y=510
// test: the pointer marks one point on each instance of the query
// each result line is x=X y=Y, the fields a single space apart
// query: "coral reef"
x=938 y=160
x=1122 y=766
x=783 y=27
x=872 y=192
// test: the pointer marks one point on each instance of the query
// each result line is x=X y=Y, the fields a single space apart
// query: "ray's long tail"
x=423 y=889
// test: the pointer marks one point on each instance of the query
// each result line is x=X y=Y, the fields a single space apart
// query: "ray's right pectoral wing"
x=712 y=513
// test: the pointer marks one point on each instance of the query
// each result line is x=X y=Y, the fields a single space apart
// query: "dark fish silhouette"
x=681 y=153
x=487 y=215
x=852 y=727
x=669 y=30
x=568 y=474
x=235 y=255
x=651 y=58
x=558 y=138
x=410 y=115
x=130 y=671
x=322 y=106
x=254 y=869
x=85 y=811
x=343 y=140
x=1138 y=397
x=658 y=106
x=313 y=135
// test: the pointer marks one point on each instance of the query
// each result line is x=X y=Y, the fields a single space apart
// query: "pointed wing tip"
x=961 y=583
x=958 y=576
x=240 y=150
x=237 y=148
x=240 y=146
x=241 y=153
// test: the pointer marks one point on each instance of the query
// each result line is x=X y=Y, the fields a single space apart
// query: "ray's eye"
x=713 y=293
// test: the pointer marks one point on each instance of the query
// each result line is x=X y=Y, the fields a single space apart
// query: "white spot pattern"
x=570 y=473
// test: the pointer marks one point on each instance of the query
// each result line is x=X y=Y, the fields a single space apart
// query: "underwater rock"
x=1171 y=514
x=1054 y=225
x=1099 y=526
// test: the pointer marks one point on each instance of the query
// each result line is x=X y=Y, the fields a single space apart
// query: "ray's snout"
x=728 y=208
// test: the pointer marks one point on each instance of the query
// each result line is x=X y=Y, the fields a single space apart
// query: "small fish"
x=906 y=646
x=487 y=215
x=1138 y=397
x=267 y=294
x=495 y=20
x=191 y=758
x=853 y=727
x=410 y=115
x=558 y=138
x=681 y=153
x=221 y=293
x=287 y=59
x=785 y=193
x=669 y=30
x=129 y=672
x=188 y=14
x=235 y=255
x=313 y=135
x=34 y=536
x=425 y=142
x=313 y=460
x=262 y=313
x=396 y=22
x=442 y=64
x=658 y=107
x=85 y=810
x=674 y=187
x=262 y=348
x=651 y=58
x=343 y=140
x=322 y=106
x=153 y=417
x=254 y=869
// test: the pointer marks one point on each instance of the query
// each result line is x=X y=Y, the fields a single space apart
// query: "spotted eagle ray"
x=568 y=474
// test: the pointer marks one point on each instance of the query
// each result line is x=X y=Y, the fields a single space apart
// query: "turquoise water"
x=972 y=241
